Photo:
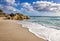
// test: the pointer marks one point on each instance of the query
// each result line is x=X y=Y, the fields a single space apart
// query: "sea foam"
x=40 y=31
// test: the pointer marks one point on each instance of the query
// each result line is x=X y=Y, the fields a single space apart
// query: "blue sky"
x=31 y=7
x=30 y=1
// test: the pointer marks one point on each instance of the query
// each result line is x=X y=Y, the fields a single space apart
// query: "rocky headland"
x=16 y=16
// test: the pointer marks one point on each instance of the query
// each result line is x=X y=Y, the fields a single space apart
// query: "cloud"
x=33 y=8
x=1 y=0
x=27 y=6
x=31 y=12
x=28 y=9
x=36 y=7
x=1 y=6
x=46 y=6
x=11 y=8
x=41 y=6
x=11 y=2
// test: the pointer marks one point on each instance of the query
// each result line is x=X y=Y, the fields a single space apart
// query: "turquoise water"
x=45 y=27
x=48 y=21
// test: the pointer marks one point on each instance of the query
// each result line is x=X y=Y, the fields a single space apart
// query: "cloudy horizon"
x=39 y=8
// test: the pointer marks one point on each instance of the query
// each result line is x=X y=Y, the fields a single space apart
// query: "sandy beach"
x=11 y=31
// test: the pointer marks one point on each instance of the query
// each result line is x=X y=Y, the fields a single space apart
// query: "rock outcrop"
x=18 y=16
x=12 y=16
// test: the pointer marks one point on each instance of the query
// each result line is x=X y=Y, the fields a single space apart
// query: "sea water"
x=46 y=27
x=48 y=21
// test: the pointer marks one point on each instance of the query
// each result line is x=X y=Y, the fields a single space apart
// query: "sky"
x=31 y=7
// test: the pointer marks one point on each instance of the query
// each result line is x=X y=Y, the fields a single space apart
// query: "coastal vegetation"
x=12 y=16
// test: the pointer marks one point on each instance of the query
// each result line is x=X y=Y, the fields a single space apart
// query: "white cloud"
x=28 y=9
x=39 y=5
x=33 y=9
x=44 y=5
x=1 y=6
x=12 y=9
x=11 y=2
x=27 y=6
x=31 y=12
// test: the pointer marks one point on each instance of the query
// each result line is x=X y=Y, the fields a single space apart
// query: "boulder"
x=17 y=17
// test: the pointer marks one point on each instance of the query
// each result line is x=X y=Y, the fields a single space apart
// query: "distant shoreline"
x=44 y=16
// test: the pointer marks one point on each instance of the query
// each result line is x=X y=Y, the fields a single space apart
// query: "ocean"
x=46 y=27
x=48 y=21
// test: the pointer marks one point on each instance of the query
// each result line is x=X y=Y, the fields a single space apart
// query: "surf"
x=41 y=31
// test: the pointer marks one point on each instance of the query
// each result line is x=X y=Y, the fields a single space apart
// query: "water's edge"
x=23 y=25
x=41 y=31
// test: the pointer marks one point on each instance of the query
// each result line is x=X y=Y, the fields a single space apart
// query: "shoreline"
x=12 y=31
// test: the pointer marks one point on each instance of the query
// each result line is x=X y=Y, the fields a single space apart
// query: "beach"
x=11 y=31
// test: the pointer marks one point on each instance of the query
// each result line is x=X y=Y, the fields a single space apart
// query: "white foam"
x=42 y=31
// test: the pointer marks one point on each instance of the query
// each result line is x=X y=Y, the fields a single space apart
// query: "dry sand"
x=11 y=31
